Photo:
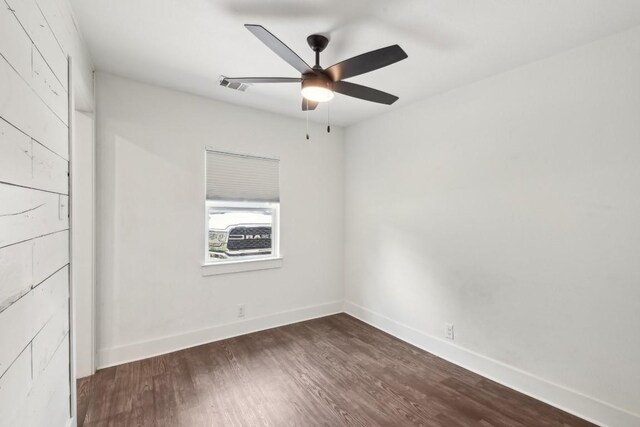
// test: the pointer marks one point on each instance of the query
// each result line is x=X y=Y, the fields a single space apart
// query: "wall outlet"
x=241 y=310
x=448 y=331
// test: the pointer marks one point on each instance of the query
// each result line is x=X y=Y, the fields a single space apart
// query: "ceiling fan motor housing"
x=317 y=79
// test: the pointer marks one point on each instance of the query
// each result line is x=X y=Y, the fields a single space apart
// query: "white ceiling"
x=188 y=44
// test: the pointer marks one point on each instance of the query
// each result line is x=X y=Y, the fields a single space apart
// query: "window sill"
x=240 y=266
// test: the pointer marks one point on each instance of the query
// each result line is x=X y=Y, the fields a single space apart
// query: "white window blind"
x=241 y=177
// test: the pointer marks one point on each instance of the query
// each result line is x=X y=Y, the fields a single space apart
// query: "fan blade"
x=308 y=105
x=366 y=62
x=263 y=79
x=281 y=49
x=364 y=92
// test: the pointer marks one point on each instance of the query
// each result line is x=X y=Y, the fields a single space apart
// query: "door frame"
x=87 y=239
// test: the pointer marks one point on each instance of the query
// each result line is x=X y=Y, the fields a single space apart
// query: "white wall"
x=152 y=297
x=36 y=38
x=511 y=209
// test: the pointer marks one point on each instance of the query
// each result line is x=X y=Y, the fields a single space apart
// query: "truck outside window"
x=241 y=230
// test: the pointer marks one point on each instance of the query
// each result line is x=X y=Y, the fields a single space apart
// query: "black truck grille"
x=242 y=238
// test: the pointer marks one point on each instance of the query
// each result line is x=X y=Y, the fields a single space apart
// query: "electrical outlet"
x=448 y=331
x=241 y=310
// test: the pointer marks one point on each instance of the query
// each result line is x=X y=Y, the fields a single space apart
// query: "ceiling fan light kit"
x=317 y=88
x=318 y=84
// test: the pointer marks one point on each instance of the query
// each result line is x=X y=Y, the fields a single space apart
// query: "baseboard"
x=142 y=350
x=568 y=400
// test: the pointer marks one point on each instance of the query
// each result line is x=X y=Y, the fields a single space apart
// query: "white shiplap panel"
x=16 y=272
x=50 y=295
x=26 y=163
x=15 y=155
x=36 y=26
x=48 y=340
x=16 y=329
x=34 y=204
x=57 y=22
x=50 y=254
x=15 y=45
x=60 y=18
x=48 y=400
x=20 y=106
x=48 y=88
x=20 y=322
x=21 y=54
x=15 y=385
x=27 y=213
x=50 y=171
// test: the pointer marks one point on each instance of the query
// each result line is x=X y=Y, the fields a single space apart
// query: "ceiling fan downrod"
x=317 y=43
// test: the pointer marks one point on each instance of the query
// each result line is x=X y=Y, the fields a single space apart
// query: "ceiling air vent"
x=235 y=86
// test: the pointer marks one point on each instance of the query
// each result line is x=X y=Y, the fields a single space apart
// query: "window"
x=242 y=208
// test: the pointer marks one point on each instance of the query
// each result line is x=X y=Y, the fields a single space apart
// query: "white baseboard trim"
x=568 y=400
x=141 y=350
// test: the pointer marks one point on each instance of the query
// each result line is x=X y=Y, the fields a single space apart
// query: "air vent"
x=235 y=86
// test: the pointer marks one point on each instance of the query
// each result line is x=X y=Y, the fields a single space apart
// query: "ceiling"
x=188 y=44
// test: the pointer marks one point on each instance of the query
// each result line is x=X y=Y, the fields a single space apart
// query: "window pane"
x=237 y=232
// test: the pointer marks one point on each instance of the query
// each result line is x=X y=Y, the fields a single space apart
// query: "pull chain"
x=307 y=115
x=328 y=117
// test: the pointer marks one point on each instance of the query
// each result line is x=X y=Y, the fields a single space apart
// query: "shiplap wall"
x=36 y=39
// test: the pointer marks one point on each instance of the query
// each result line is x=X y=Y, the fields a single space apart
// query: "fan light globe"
x=317 y=93
x=317 y=87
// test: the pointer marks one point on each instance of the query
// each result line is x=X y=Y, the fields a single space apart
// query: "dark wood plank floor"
x=332 y=371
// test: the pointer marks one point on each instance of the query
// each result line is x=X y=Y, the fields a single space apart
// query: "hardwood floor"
x=332 y=371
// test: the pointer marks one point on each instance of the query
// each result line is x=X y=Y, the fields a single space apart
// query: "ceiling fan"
x=318 y=84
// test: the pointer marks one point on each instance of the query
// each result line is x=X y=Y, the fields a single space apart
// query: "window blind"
x=240 y=177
